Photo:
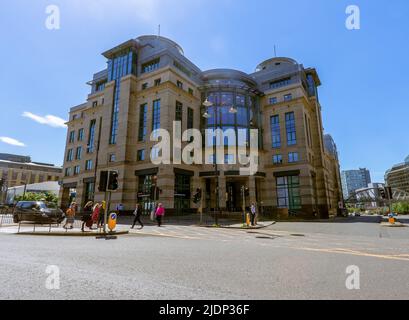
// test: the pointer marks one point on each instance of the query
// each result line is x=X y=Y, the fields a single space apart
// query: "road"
x=285 y=261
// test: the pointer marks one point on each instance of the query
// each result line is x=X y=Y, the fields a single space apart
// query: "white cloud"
x=48 y=120
x=12 y=142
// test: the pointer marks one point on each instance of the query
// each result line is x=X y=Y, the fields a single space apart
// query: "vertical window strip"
x=275 y=131
x=290 y=128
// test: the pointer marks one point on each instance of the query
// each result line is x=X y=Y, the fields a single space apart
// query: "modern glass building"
x=353 y=180
x=149 y=83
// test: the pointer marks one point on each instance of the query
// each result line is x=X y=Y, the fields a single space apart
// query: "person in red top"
x=95 y=212
x=160 y=212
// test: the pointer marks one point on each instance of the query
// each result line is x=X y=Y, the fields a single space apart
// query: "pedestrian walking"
x=70 y=216
x=101 y=220
x=87 y=216
x=95 y=213
x=137 y=213
x=160 y=212
x=253 y=213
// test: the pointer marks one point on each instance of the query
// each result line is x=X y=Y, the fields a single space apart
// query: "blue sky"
x=364 y=72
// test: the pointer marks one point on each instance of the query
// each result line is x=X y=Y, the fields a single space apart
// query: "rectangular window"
x=89 y=191
x=156 y=115
x=229 y=159
x=275 y=131
x=150 y=66
x=280 y=83
x=88 y=165
x=68 y=172
x=288 y=192
x=190 y=115
x=288 y=97
x=145 y=86
x=273 y=100
x=112 y=157
x=81 y=135
x=277 y=159
x=179 y=84
x=293 y=157
x=76 y=170
x=179 y=111
x=142 y=122
x=157 y=82
x=72 y=137
x=141 y=155
x=290 y=128
x=70 y=155
x=100 y=86
x=95 y=104
x=182 y=193
x=78 y=154
x=91 y=137
x=191 y=92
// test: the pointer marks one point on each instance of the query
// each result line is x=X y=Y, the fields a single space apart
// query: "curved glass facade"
x=221 y=117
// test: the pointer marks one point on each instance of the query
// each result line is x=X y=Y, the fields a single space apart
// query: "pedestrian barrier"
x=6 y=219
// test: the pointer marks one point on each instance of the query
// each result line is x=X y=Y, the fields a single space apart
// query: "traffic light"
x=103 y=181
x=113 y=181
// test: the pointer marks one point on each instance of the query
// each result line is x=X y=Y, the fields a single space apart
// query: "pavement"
x=282 y=261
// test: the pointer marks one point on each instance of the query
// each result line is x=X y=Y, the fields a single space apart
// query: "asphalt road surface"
x=285 y=261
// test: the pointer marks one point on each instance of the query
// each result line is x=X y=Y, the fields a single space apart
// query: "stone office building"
x=16 y=170
x=398 y=176
x=149 y=83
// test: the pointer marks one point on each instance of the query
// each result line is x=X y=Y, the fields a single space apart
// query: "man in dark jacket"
x=137 y=213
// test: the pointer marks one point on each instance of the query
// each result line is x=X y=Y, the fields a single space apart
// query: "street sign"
x=112 y=221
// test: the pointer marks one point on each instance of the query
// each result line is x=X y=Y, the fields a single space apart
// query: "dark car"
x=38 y=212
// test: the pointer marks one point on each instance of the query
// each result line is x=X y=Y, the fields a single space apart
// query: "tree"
x=44 y=196
x=401 y=207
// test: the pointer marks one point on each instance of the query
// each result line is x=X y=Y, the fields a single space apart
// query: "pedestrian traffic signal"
x=113 y=181
x=197 y=196
x=103 y=181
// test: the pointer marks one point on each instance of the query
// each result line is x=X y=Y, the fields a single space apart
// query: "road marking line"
x=355 y=253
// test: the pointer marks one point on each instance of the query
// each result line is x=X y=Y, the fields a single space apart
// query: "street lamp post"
x=217 y=123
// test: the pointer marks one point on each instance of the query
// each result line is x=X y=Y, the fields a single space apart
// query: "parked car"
x=38 y=212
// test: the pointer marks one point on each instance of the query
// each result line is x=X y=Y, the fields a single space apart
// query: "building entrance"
x=234 y=195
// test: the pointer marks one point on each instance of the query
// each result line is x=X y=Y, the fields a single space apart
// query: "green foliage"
x=31 y=196
x=401 y=207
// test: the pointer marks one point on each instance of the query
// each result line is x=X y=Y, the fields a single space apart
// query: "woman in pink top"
x=160 y=212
